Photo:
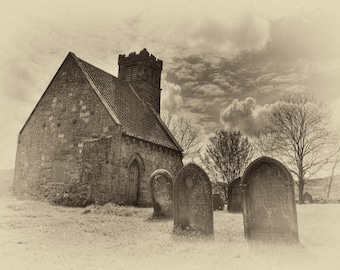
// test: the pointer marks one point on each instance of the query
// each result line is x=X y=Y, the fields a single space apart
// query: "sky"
x=224 y=62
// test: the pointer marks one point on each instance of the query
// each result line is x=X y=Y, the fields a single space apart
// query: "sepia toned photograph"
x=192 y=134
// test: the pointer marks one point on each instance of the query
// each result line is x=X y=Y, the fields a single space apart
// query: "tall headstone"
x=193 y=200
x=234 y=196
x=268 y=201
x=161 y=185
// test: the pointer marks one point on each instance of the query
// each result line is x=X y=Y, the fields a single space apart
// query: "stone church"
x=96 y=138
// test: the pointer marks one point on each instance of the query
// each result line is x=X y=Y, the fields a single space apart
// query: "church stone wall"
x=68 y=114
x=154 y=157
x=105 y=168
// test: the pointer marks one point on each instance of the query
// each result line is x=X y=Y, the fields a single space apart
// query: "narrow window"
x=127 y=74
x=134 y=73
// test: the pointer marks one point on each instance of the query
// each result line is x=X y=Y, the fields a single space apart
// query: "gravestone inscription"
x=234 y=196
x=268 y=202
x=193 y=200
x=161 y=185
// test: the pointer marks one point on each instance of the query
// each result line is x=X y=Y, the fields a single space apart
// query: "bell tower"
x=143 y=71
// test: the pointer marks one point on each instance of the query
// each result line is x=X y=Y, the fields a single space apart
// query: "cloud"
x=220 y=79
x=171 y=99
x=190 y=85
x=209 y=89
x=187 y=69
x=285 y=78
x=185 y=74
x=196 y=105
x=306 y=34
x=244 y=115
x=229 y=37
x=264 y=78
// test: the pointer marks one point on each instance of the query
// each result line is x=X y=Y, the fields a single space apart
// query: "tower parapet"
x=143 y=71
x=143 y=55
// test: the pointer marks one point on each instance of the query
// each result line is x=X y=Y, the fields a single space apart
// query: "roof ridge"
x=102 y=70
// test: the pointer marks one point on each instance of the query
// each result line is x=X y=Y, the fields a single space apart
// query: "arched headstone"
x=268 y=201
x=193 y=200
x=234 y=196
x=161 y=185
x=307 y=197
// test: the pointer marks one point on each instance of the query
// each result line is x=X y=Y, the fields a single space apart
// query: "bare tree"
x=296 y=132
x=216 y=177
x=228 y=154
x=335 y=163
x=186 y=134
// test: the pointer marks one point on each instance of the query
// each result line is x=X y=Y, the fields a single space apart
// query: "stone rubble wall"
x=68 y=114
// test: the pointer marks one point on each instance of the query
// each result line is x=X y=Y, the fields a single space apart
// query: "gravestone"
x=307 y=198
x=193 y=200
x=161 y=186
x=268 y=202
x=234 y=196
x=218 y=203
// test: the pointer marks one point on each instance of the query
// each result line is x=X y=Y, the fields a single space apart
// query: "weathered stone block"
x=235 y=196
x=218 y=203
x=193 y=200
x=269 y=210
x=161 y=186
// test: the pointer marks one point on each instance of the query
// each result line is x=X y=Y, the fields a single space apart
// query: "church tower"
x=143 y=71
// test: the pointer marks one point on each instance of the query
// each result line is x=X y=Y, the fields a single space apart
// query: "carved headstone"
x=161 y=185
x=268 y=201
x=234 y=196
x=193 y=200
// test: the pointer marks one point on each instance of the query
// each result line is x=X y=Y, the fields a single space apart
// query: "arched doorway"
x=134 y=175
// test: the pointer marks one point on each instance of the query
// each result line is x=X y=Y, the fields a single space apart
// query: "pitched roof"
x=137 y=118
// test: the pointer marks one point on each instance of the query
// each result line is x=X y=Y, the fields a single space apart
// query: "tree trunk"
x=225 y=191
x=301 y=187
x=329 y=185
x=301 y=182
x=331 y=178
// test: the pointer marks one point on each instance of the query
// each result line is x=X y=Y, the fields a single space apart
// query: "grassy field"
x=36 y=235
